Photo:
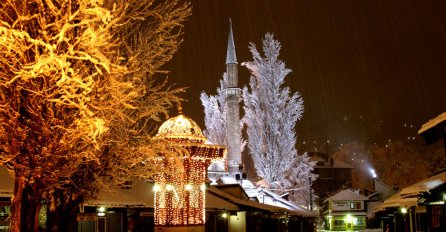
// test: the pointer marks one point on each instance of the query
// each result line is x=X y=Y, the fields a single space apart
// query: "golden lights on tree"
x=78 y=95
x=180 y=195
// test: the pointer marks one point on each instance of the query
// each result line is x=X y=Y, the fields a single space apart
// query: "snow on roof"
x=215 y=202
x=252 y=204
x=340 y=164
x=278 y=201
x=271 y=198
x=396 y=201
x=255 y=205
x=116 y=199
x=229 y=180
x=336 y=163
x=251 y=190
x=316 y=158
x=267 y=197
x=432 y=123
x=140 y=195
x=424 y=185
x=346 y=195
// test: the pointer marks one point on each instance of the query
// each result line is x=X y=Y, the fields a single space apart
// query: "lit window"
x=355 y=205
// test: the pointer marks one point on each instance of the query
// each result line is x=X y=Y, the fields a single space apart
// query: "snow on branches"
x=78 y=95
x=215 y=114
x=271 y=113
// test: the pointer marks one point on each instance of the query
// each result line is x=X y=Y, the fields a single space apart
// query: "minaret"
x=232 y=92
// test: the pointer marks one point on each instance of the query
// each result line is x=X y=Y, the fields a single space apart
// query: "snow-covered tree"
x=215 y=114
x=78 y=97
x=271 y=114
x=299 y=179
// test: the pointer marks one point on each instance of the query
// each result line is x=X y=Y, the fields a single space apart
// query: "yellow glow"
x=181 y=127
x=224 y=215
x=403 y=210
x=101 y=209
x=348 y=218
x=156 y=188
x=181 y=198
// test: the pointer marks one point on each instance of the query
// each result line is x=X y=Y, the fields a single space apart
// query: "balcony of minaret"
x=236 y=92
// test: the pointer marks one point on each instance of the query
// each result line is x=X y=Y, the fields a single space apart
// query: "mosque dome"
x=181 y=128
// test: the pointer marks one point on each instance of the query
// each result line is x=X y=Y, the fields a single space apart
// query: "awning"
x=424 y=185
x=117 y=198
x=6 y=193
x=352 y=213
x=396 y=201
x=432 y=123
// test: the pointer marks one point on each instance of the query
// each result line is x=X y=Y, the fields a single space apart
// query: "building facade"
x=345 y=211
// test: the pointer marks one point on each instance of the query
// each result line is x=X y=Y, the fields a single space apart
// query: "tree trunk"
x=16 y=205
x=64 y=216
x=30 y=210
x=61 y=220
x=25 y=208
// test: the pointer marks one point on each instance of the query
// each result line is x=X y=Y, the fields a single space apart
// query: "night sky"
x=368 y=70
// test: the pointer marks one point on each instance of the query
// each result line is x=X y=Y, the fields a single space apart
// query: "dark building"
x=333 y=175
x=434 y=130
x=420 y=206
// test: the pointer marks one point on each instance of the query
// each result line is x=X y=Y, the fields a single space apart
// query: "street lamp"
x=403 y=210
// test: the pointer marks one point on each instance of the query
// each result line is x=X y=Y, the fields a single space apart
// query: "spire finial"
x=231 y=57
x=180 y=108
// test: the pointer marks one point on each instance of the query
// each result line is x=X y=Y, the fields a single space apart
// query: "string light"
x=180 y=197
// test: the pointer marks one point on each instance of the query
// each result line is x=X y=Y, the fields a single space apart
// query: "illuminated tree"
x=78 y=96
x=270 y=116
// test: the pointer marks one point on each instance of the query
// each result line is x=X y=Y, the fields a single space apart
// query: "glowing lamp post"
x=180 y=197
